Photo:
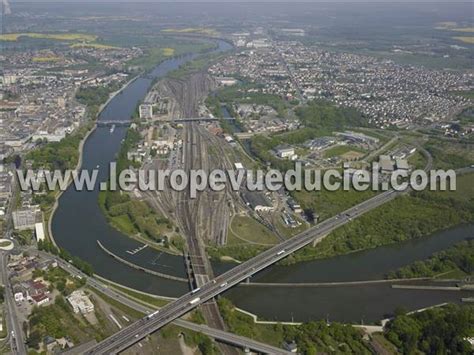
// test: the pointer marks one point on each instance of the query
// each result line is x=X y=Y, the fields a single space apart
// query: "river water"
x=79 y=223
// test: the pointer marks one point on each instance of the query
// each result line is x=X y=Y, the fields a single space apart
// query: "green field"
x=466 y=94
x=329 y=203
x=245 y=229
x=341 y=150
x=150 y=300
x=450 y=155
x=72 y=37
x=407 y=217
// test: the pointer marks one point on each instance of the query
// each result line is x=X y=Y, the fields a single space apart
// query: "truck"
x=280 y=252
x=195 y=300
x=152 y=315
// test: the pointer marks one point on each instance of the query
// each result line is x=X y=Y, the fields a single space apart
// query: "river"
x=78 y=224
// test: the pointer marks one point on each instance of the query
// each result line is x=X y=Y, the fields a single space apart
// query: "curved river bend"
x=78 y=224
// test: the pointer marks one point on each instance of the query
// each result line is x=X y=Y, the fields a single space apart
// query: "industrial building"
x=24 y=219
x=80 y=302
x=145 y=111
x=358 y=138
x=387 y=165
x=257 y=201
x=285 y=152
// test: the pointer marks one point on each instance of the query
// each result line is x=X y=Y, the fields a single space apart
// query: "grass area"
x=465 y=39
x=58 y=320
x=94 y=45
x=196 y=65
x=142 y=297
x=120 y=306
x=192 y=339
x=407 y=217
x=3 y=333
x=54 y=36
x=311 y=338
x=156 y=53
x=239 y=252
x=60 y=280
x=246 y=229
x=5 y=244
x=288 y=231
x=329 y=203
x=452 y=275
x=168 y=52
x=464 y=189
x=450 y=155
x=417 y=160
x=197 y=30
x=340 y=150
x=134 y=217
x=124 y=224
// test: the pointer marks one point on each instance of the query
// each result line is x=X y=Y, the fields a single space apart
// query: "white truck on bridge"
x=195 y=300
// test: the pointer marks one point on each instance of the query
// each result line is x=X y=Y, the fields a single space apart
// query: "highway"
x=217 y=334
x=140 y=329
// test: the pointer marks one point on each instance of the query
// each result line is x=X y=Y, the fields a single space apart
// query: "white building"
x=286 y=152
x=145 y=111
x=39 y=231
x=226 y=81
x=80 y=302
x=19 y=297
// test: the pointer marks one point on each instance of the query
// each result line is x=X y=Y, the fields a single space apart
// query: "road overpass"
x=140 y=329
x=220 y=335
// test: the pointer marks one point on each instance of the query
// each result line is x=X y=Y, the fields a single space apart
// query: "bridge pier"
x=189 y=270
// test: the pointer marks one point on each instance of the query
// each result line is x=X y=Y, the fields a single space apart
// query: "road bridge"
x=220 y=335
x=137 y=331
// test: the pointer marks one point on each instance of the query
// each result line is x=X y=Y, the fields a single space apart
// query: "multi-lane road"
x=223 y=336
x=15 y=335
x=140 y=329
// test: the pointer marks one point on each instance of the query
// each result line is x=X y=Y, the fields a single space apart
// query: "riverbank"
x=58 y=196
x=78 y=222
x=79 y=160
